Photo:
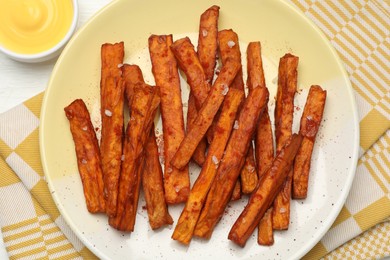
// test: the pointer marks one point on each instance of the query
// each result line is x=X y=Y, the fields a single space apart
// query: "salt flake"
x=108 y=112
x=225 y=89
x=236 y=126
x=85 y=128
x=83 y=161
x=282 y=210
x=231 y=44
x=215 y=159
x=204 y=32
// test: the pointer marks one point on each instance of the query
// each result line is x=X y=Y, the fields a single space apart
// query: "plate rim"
x=354 y=155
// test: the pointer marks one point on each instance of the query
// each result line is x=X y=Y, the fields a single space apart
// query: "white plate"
x=281 y=29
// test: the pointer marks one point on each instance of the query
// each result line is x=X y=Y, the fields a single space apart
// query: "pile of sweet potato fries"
x=228 y=134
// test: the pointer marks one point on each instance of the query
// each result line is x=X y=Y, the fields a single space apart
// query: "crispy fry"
x=284 y=109
x=112 y=100
x=310 y=122
x=206 y=114
x=164 y=68
x=153 y=186
x=88 y=155
x=199 y=155
x=132 y=75
x=190 y=214
x=229 y=169
x=188 y=62
x=207 y=41
x=264 y=148
x=142 y=111
x=265 y=193
x=248 y=174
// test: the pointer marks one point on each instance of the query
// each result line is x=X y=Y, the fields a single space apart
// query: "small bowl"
x=50 y=53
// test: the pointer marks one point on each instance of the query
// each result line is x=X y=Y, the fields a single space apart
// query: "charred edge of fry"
x=153 y=186
x=266 y=191
x=310 y=123
x=190 y=214
x=208 y=41
x=228 y=172
x=88 y=155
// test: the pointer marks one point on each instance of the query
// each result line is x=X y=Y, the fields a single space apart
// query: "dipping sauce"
x=34 y=26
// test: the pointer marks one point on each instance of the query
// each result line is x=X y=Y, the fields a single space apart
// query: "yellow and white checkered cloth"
x=359 y=30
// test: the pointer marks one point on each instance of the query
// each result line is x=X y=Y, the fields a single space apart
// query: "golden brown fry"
x=111 y=100
x=132 y=75
x=153 y=186
x=284 y=109
x=188 y=62
x=265 y=235
x=268 y=188
x=229 y=169
x=264 y=148
x=248 y=174
x=199 y=155
x=310 y=122
x=164 y=68
x=190 y=214
x=142 y=112
x=206 y=114
x=207 y=41
x=88 y=155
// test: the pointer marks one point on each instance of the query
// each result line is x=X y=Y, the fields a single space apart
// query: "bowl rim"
x=47 y=54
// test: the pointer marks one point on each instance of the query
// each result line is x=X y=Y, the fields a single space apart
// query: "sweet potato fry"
x=284 y=109
x=188 y=62
x=229 y=169
x=265 y=193
x=206 y=114
x=310 y=122
x=236 y=195
x=88 y=155
x=199 y=155
x=207 y=41
x=132 y=75
x=248 y=174
x=142 y=112
x=153 y=186
x=264 y=148
x=265 y=234
x=112 y=100
x=190 y=214
x=229 y=47
x=164 y=68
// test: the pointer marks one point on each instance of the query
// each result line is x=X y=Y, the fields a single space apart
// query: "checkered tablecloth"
x=359 y=30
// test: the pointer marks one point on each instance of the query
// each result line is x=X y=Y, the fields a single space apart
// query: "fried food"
x=88 y=155
x=229 y=169
x=112 y=101
x=164 y=68
x=310 y=122
x=268 y=188
x=190 y=214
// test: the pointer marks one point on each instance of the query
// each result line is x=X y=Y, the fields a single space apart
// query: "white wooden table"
x=21 y=81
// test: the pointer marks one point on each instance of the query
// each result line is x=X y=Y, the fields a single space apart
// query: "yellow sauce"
x=33 y=26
